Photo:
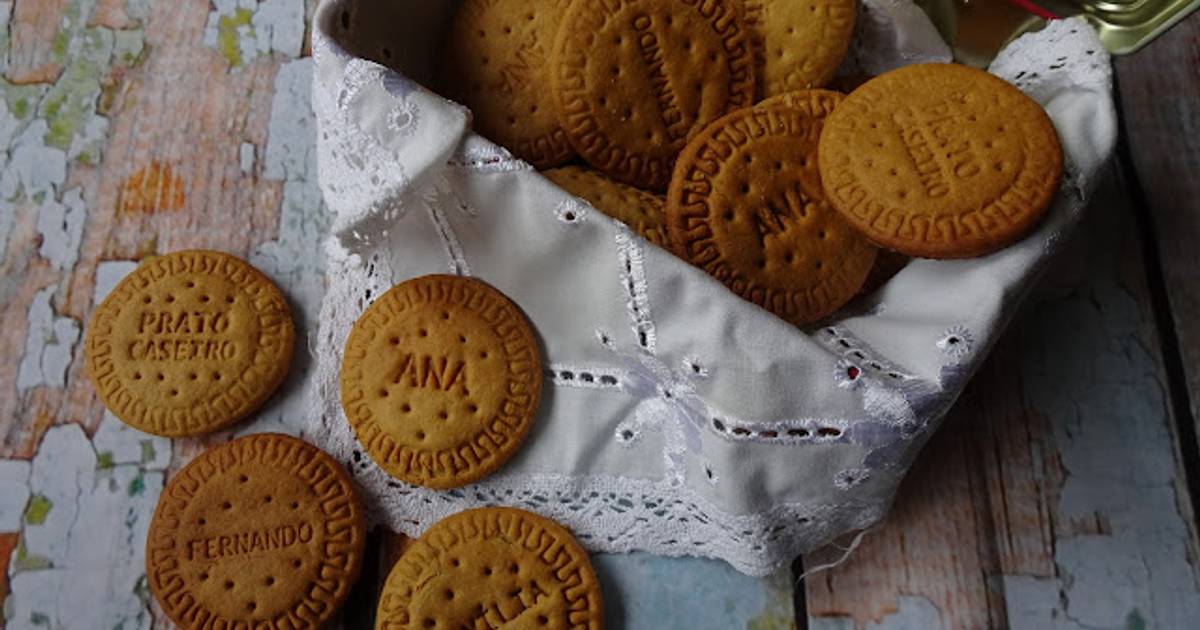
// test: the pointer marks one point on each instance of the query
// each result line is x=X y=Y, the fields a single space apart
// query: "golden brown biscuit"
x=814 y=103
x=638 y=209
x=441 y=380
x=940 y=161
x=189 y=343
x=497 y=63
x=746 y=205
x=492 y=568
x=265 y=531
x=798 y=44
x=634 y=79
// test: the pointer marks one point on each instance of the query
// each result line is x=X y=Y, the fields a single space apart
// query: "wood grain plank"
x=1159 y=96
x=1050 y=497
x=125 y=130
x=37 y=51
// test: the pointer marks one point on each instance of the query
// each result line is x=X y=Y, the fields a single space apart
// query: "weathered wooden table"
x=1059 y=494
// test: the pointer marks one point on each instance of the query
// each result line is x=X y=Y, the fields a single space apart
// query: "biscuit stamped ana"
x=634 y=79
x=189 y=343
x=746 y=205
x=440 y=380
x=492 y=568
x=264 y=531
x=940 y=161
x=497 y=62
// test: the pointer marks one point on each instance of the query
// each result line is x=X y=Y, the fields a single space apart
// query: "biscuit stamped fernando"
x=441 y=378
x=264 y=531
x=633 y=80
x=189 y=343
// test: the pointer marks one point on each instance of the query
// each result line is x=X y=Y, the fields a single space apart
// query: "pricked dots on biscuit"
x=441 y=380
x=189 y=343
x=940 y=161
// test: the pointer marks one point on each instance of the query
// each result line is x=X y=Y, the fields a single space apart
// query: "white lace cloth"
x=677 y=418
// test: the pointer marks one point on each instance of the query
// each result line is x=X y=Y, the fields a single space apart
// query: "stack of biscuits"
x=703 y=125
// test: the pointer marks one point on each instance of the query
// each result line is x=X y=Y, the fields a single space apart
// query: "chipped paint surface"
x=295 y=260
x=126 y=445
x=34 y=170
x=912 y=613
x=235 y=36
x=44 y=127
x=646 y=591
x=14 y=493
x=49 y=343
x=1122 y=552
x=242 y=30
x=71 y=102
x=246 y=157
x=108 y=274
x=75 y=516
x=61 y=227
x=92 y=534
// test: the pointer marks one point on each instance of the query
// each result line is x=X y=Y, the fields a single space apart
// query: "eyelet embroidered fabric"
x=676 y=418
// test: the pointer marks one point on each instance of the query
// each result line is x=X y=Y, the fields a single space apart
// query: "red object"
x=852 y=372
x=1029 y=6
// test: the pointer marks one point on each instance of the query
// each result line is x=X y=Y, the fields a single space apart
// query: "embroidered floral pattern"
x=571 y=211
x=851 y=477
x=957 y=342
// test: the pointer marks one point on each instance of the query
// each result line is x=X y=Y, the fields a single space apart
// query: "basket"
x=677 y=418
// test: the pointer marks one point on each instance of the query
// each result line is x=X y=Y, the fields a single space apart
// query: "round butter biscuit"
x=441 y=379
x=940 y=161
x=633 y=80
x=189 y=343
x=798 y=44
x=492 y=568
x=263 y=532
x=496 y=62
x=746 y=205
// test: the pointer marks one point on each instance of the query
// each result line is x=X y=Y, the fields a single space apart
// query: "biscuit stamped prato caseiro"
x=940 y=161
x=189 y=343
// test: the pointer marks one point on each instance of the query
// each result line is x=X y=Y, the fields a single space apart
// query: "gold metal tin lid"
x=978 y=29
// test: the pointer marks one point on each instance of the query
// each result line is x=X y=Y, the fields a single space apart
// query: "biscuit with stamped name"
x=940 y=161
x=441 y=379
x=636 y=208
x=264 y=531
x=798 y=44
x=633 y=80
x=189 y=343
x=492 y=568
x=746 y=205
x=496 y=62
